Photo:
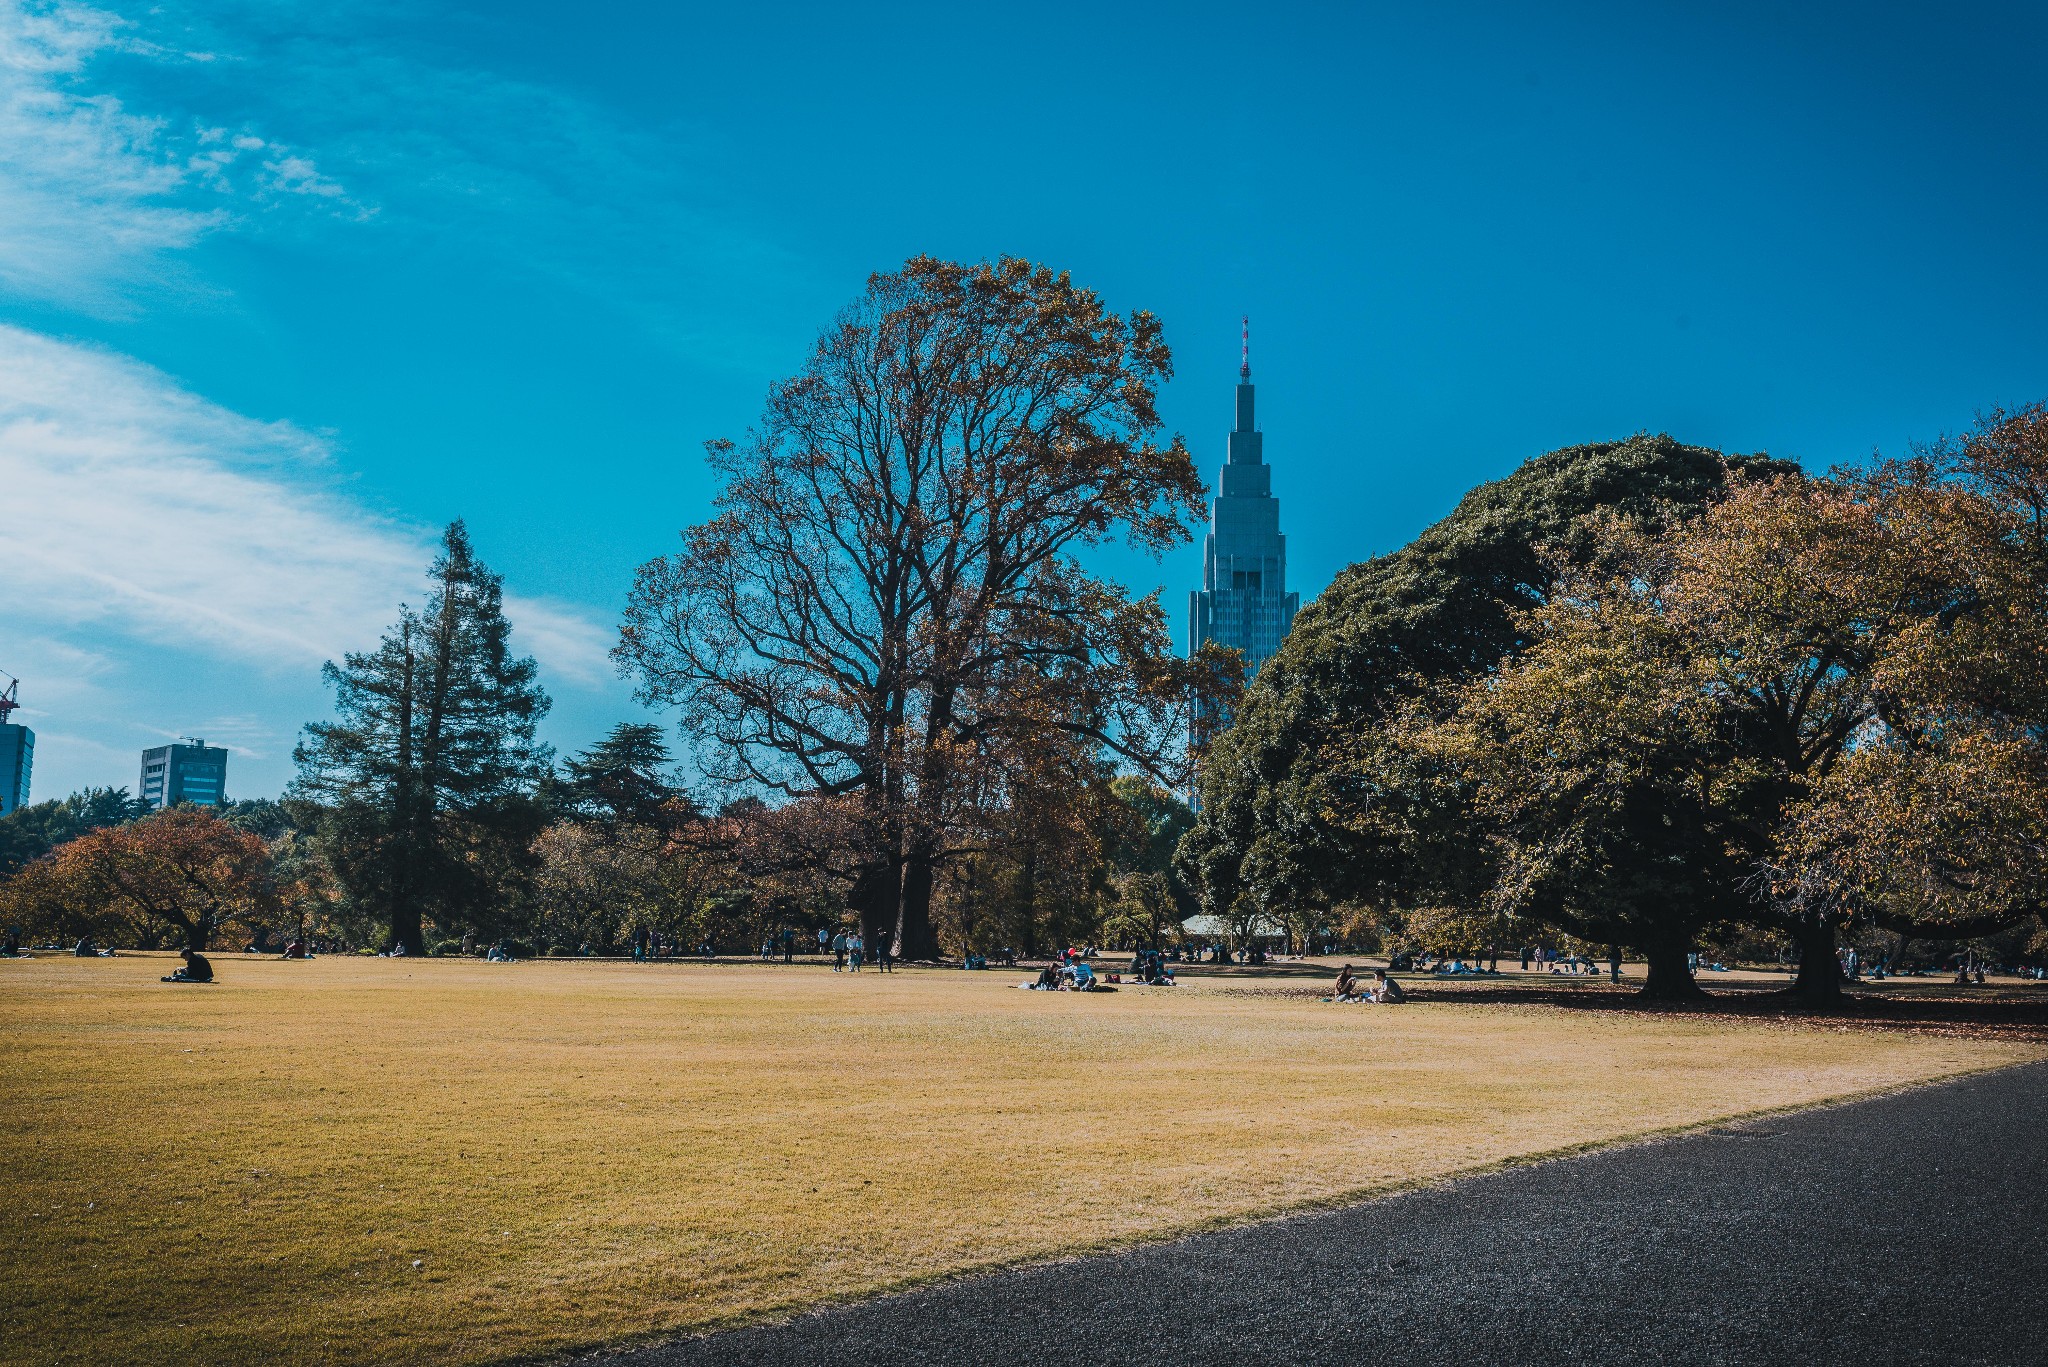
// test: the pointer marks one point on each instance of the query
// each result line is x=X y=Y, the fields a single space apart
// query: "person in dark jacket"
x=196 y=969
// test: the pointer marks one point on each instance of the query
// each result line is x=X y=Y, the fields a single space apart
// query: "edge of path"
x=597 y=1352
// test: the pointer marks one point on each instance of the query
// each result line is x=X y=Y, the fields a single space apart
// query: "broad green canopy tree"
x=1816 y=702
x=1306 y=798
x=1682 y=689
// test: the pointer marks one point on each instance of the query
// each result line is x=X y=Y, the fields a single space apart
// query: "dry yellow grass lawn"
x=580 y=1152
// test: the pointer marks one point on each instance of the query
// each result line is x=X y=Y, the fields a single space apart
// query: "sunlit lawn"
x=579 y=1152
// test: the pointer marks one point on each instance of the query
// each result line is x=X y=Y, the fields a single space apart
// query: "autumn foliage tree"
x=180 y=875
x=1935 y=823
x=890 y=595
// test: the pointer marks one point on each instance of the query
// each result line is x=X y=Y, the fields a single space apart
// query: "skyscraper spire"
x=1244 y=601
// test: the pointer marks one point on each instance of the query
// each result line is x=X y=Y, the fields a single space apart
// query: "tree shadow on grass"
x=2000 y=1012
x=1994 y=1013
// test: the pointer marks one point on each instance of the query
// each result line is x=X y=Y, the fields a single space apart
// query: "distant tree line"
x=619 y=856
x=426 y=817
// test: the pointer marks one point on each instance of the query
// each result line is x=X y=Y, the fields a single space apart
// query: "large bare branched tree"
x=890 y=595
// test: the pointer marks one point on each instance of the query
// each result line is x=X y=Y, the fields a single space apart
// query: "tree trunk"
x=405 y=927
x=1820 y=977
x=1027 y=897
x=916 y=937
x=1670 y=976
x=872 y=900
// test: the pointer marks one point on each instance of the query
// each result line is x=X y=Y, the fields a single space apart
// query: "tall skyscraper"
x=1243 y=601
x=190 y=771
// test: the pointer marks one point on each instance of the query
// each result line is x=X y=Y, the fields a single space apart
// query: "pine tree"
x=623 y=779
x=428 y=769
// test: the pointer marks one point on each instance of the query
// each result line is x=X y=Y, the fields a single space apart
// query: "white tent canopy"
x=1220 y=928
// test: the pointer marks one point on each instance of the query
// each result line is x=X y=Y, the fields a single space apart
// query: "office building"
x=190 y=771
x=17 y=759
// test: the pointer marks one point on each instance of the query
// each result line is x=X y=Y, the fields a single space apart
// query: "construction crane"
x=8 y=700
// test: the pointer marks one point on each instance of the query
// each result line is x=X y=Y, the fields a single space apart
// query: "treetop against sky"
x=284 y=289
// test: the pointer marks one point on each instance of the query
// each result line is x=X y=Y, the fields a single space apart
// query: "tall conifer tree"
x=431 y=762
x=624 y=780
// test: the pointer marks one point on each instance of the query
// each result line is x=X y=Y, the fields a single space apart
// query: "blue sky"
x=284 y=287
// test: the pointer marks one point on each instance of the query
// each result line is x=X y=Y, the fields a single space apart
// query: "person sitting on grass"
x=1385 y=989
x=196 y=969
x=1048 y=978
x=1347 y=986
x=295 y=950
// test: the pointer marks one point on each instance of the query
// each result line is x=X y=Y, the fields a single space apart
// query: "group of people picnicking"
x=1149 y=966
x=1070 y=971
x=1380 y=989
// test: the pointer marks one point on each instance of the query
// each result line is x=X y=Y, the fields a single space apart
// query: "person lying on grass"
x=196 y=969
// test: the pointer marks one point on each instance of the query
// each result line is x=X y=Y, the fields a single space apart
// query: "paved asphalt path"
x=1907 y=1229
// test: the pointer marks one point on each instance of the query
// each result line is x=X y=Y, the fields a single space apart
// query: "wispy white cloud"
x=107 y=179
x=94 y=195
x=151 y=535
x=146 y=513
x=565 y=637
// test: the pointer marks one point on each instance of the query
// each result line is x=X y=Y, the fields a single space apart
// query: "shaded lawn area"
x=582 y=1152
